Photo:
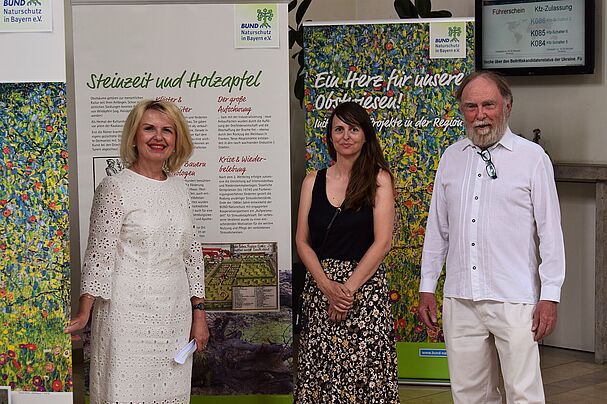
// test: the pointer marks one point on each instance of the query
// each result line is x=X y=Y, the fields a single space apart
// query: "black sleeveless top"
x=351 y=233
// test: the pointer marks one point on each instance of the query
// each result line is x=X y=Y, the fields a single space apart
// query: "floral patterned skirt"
x=352 y=361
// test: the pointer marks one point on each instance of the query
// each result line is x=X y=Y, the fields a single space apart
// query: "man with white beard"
x=495 y=219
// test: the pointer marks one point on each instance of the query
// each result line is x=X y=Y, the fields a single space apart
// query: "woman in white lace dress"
x=142 y=269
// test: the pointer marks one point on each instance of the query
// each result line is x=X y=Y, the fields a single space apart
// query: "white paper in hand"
x=186 y=351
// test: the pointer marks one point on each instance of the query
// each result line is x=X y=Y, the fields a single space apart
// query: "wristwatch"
x=198 y=306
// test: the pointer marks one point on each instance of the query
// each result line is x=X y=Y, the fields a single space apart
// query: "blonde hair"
x=183 y=139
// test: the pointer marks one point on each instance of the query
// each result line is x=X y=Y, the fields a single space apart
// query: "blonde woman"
x=141 y=269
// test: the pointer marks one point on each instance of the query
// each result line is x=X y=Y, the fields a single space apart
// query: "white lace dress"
x=143 y=266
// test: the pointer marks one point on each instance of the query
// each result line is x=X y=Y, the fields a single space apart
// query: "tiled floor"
x=569 y=377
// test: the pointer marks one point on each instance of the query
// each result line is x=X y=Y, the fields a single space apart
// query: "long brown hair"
x=363 y=179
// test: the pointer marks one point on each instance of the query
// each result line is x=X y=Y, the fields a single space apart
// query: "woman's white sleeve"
x=107 y=214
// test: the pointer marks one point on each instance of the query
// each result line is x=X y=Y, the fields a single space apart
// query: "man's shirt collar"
x=507 y=141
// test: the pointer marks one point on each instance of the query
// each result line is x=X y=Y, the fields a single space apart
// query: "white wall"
x=575 y=326
x=570 y=111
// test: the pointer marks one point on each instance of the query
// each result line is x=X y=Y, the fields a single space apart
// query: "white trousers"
x=476 y=333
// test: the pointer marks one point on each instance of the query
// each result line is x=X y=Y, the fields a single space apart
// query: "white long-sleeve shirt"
x=502 y=237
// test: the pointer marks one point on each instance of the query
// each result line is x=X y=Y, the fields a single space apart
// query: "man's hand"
x=427 y=310
x=544 y=319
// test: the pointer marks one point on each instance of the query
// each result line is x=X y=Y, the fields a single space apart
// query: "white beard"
x=485 y=137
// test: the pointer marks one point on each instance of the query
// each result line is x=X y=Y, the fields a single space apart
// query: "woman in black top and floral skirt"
x=344 y=231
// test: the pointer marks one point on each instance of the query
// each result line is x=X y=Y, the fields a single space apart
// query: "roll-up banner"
x=405 y=73
x=226 y=67
x=35 y=355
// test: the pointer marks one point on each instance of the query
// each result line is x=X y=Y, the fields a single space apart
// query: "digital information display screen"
x=527 y=34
